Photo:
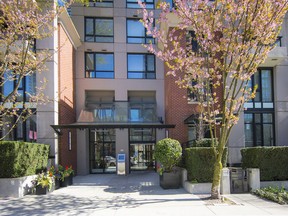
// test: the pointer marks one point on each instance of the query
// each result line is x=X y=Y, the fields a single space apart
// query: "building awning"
x=192 y=119
x=89 y=125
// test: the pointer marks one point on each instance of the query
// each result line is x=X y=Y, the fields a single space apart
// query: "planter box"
x=41 y=191
x=70 y=180
x=65 y=182
x=197 y=188
x=16 y=187
x=170 y=180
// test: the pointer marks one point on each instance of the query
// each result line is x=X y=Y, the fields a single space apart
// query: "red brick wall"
x=177 y=108
x=67 y=112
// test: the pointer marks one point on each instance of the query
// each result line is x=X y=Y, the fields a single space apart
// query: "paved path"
x=137 y=194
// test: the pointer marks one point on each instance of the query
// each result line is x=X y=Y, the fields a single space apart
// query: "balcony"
x=275 y=57
x=119 y=112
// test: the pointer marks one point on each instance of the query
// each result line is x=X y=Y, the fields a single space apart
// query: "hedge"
x=19 y=159
x=199 y=163
x=205 y=142
x=272 y=162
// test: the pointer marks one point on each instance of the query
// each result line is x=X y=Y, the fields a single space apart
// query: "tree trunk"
x=215 y=190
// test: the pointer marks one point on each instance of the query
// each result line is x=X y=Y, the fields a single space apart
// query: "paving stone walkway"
x=137 y=194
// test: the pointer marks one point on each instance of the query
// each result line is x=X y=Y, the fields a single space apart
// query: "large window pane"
x=104 y=62
x=89 y=27
x=99 y=65
x=141 y=66
x=30 y=86
x=266 y=85
x=136 y=32
x=99 y=29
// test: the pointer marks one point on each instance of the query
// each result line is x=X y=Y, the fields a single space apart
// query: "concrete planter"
x=16 y=187
x=170 y=180
x=197 y=188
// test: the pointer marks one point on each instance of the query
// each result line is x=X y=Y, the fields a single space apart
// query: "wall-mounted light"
x=69 y=140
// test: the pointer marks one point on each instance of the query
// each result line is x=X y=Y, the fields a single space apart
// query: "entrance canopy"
x=107 y=118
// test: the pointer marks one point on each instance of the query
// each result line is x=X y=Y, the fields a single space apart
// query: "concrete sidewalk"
x=136 y=194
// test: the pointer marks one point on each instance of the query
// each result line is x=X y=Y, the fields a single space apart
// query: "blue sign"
x=121 y=157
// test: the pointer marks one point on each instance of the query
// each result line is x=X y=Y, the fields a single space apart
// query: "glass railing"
x=119 y=112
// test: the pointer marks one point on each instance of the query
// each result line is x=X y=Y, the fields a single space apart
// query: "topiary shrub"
x=168 y=152
x=19 y=159
x=272 y=161
x=199 y=163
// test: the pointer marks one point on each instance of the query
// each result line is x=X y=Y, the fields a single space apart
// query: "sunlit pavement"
x=136 y=194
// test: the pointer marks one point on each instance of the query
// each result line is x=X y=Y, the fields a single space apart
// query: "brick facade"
x=67 y=113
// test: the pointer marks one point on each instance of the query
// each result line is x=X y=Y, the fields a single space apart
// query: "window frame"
x=146 y=71
x=254 y=125
x=95 y=35
x=145 y=39
x=260 y=110
x=22 y=87
x=149 y=5
x=93 y=3
x=89 y=72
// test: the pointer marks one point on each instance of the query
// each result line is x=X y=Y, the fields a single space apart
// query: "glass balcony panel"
x=119 y=112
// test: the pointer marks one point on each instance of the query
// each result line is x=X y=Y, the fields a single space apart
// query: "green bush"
x=205 y=142
x=199 y=163
x=272 y=162
x=168 y=152
x=19 y=159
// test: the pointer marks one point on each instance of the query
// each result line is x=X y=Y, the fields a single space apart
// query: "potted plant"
x=168 y=152
x=43 y=183
x=66 y=175
x=57 y=177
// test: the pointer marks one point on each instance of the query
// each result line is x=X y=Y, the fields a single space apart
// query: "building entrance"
x=141 y=157
x=102 y=151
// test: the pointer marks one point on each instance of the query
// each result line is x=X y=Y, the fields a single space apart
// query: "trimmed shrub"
x=19 y=159
x=168 y=152
x=205 y=142
x=199 y=163
x=272 y=162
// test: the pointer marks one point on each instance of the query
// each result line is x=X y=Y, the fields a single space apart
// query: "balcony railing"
x=119 y=112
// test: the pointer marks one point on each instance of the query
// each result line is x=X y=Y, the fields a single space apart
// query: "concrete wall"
x=47 y=114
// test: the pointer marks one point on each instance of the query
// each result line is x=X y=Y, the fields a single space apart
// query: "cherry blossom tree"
x=228 y=40
x=22 y=24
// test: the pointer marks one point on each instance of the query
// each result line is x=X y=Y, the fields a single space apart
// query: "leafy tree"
x=228 y=40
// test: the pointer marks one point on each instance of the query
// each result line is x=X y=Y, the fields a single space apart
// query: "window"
x=198 y=93
x=134 y=4
x=99 y=30
x=141 y=66
x=259 y=113
x=264 y=92
x=192 y=42
x=23 y=131
x=26 y=89
x=171 y=3
x=259 y=129
x=136 y=33
x=99 y=65
x=102 y=3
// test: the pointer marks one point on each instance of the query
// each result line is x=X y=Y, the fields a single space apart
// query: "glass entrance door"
x=141 y=157
x=102 y=151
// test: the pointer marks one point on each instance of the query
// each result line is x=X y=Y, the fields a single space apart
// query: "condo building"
x=110 y=96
